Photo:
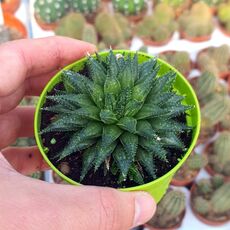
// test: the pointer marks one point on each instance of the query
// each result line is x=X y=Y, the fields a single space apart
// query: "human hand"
x=27 y=204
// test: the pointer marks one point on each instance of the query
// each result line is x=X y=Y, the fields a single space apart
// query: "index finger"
x=27 y=58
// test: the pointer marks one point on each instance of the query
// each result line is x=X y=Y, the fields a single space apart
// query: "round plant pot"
x=158 y=187
x=194 y=39
x=223 y=30
x=10 y=6
x=149 y=42
x=12 y=22
x=185 y=182
x=202 y=218
x=45 y=26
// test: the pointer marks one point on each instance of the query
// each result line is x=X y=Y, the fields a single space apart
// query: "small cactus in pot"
x=223 y=15
x=196 y=25
x=170 y=211
x=157 y=29
x=188 y=172
x=210 y=200
x=179 y=59
x=133 y=9
x=49 y=12
x=219 y=155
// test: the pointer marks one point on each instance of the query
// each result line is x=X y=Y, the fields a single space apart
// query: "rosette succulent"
x=119 y=114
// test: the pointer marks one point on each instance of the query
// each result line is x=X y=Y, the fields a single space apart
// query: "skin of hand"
x=27 y=204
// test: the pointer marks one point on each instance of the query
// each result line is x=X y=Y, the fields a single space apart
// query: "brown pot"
x=150 y=42
x=194 y=39
x=202 y=218
x=10 y=6
x=171 y=228
x=12 y=22
x=45 y=26
x=223 y=30
x=185 y=182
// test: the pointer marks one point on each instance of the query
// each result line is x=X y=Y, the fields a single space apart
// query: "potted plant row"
x=119 y=118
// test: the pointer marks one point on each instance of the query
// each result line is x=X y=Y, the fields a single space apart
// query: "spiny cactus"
x=104 y=23
x=72 y=25
x=122 y=112
x=198 y=21
x=169 y=209
x=180 y=60
x=160 y=26
x=50 y=11
x=225 y=123
x=85 y=6
x=204 y=187
x=89 y=34
x=196 y=161
x=215 y=110
x=217 y=181
x=129 y=7
x=220 y=158
x=224 y=15
x=201 y=205
x=220 y=200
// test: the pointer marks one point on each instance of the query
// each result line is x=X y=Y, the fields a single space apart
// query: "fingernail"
x=145 y=208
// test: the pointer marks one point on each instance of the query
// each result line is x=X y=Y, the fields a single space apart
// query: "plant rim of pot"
x=194 y=119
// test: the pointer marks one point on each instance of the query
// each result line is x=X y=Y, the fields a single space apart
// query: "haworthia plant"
x=122 y=114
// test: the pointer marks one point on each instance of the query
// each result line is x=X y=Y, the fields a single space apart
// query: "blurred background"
x=193 y=36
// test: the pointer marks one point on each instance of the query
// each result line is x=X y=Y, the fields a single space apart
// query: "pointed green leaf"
x=132 y=108
x=108 y=117
x=145 y=129
x=92 y=130
x=112 y=85
x=130 y=144
x=112 y=64
x=102 y=153
x=97 y=95
x=173 y=141
x=110 y=134
x=97 y=71
x=122 y=159
x=60 y=109
x=90 y=112
x=146 y=160
x=149 y=111
x=87 y=160
x=128 y=124
x=135 y=175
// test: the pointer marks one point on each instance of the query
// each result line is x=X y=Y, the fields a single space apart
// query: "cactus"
x=89 y=34
x=220 y=159
x=225 y=123
x=86 y=7
x=198 y=21
x=129 y=7
x=217 y=181
x=210 y=2
x=224 y=15
x=173 y=3
x=71 y=25
x=201 y=205
x=50 y=11
x=196 y=162
x=220 y=200
x=204 y=187
x=169 y=209
x=160 y=26
x=104 y=23
x=215 y=110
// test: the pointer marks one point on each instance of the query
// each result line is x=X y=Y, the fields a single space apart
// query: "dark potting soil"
x=99 y=178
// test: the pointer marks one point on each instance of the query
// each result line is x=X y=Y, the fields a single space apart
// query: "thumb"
x=106 y=208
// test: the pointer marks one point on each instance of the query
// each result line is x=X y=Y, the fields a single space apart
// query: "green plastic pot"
x=158 y=187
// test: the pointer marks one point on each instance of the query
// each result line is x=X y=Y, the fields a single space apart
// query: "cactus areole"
x=120 y=119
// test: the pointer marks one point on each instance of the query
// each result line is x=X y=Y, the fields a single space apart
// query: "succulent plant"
x=225 y=123
x=50 y=11
x=217 y=181
x=160 y=26
x=122 y=115
x=72 y=25
x=86 y=7
x=210 y=2
x=129 y=7
x=220 y=201
x=89 y=34
x=119 y=33
x=169 y=209
x=180 y=60
x=201 y=205
x=215 y=110
x=224 y=15
x=197 y=22
x=215 y=60
x=220 y=158
x=204 y=187
x=196 y=161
